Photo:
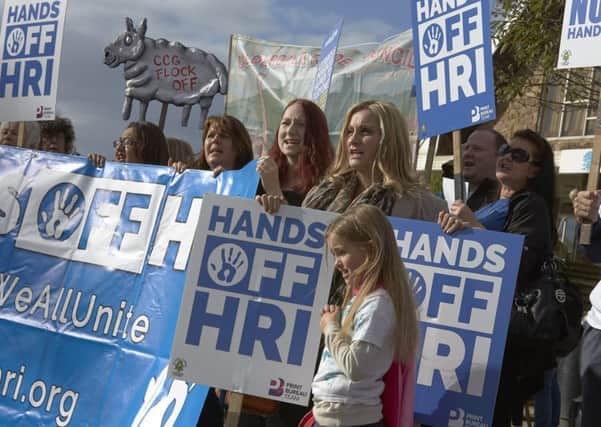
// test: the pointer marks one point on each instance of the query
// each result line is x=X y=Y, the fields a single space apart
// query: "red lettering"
x=396 y=56
x=175 y=60
x=177 y=85
x=155 y=59
x=193 y=83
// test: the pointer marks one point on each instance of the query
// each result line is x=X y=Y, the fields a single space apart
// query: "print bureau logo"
x=276 y=387
x=456 y=417
x=60 y=212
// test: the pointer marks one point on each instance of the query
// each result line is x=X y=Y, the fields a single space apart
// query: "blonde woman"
x=373 y=166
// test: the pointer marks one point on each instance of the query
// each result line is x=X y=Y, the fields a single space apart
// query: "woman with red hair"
x=300 y=155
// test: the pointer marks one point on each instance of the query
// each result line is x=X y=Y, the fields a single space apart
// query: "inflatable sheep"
x=165 y=71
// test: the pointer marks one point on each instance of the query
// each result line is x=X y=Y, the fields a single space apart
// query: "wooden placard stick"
x=21 y=135
x=432 y=145
x=234 y=409
x=593 y=176
x=458 y=166
x=163 y=116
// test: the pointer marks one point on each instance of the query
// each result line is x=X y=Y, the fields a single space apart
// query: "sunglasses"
x=518 y=155
x=126 y=142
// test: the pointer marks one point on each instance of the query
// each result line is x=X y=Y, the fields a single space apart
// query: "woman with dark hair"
x=526 y=171
x=300 y=154
x=57 y=136
x=226 y=146
x=140 y=142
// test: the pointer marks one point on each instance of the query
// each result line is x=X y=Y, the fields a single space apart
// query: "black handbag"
x=549 y=313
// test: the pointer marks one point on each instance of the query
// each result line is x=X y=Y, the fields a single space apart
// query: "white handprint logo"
x=15 y=42
x=9 y=210
x=433 y=40
x=61 y=211
x=419 y=286
x=227 y=264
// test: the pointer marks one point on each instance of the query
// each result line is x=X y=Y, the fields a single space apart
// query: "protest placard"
x=453 y=64
x=325 y=66
x=580 y=35
x=249 y=319
x=31 y=34
x=91 y=276
x=464 y=286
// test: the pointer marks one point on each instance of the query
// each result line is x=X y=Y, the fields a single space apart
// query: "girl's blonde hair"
x=393 y=167
x=367 y=226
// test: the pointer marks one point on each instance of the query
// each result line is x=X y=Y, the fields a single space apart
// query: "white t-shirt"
x=374 y=324
x=593 y=316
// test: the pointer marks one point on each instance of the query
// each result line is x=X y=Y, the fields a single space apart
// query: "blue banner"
x=92 y=271
x=464 y=285
x=453 y=65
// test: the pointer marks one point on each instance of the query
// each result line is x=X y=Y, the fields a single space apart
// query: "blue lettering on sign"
x=30 y=40
x=33 y=12
x=260 y=270
x=578 y=13
x=35 y=77
x=256 y=314
x=291 y=231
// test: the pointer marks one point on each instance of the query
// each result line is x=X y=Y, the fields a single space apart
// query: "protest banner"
x=325 y=67
x=464 y=285
x=580 y=35
x=252 y=304
x=31 y=34
x=265 y=76
x=91 y=275
x=453 y=65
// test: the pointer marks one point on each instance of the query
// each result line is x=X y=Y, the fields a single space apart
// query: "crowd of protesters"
x=369 y=176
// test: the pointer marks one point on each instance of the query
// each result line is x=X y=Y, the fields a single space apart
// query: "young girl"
x=376 y=326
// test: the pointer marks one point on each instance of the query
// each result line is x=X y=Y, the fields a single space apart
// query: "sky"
x=91 y=94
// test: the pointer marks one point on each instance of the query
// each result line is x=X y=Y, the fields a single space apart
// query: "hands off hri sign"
x=31 y=37
x=251 y=305
x=580 y=35
x=453 y=64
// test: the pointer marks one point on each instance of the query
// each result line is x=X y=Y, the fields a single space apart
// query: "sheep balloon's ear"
x=129 y=24
x=142 y=28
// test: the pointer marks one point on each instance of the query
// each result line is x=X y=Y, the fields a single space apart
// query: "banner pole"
x=432 y=146
x=458 y=166
x=593 y=175
x=21 y=135
x=163 y=116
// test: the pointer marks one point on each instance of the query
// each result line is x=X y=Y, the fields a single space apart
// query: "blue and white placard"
x=453 y=64
x=580 y=35
x=92 y=271
x=249 y=319
x=325 y=67
x=31 y=34
x=464 y=285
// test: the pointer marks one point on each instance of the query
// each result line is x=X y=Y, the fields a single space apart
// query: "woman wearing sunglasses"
x=526 y=171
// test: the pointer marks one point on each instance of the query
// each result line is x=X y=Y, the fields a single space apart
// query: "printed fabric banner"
x=464 y=285
x=580 y=35
x=453 y=65
x=31 y=34
x=92 y=272
x=252 y=305
x=265 y=76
